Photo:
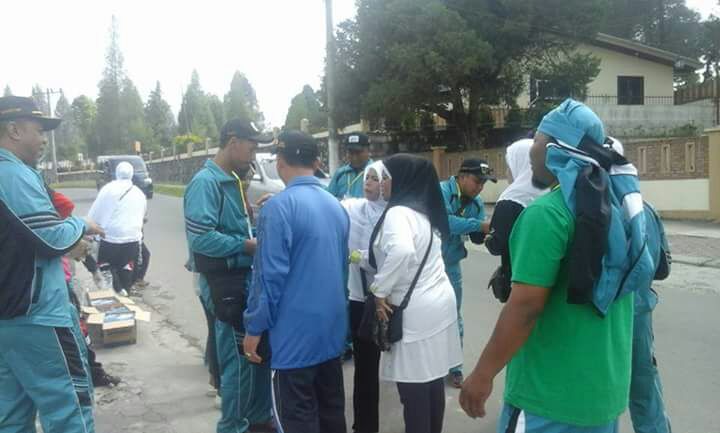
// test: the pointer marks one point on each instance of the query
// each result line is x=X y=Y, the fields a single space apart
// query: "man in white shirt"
x=120 y=209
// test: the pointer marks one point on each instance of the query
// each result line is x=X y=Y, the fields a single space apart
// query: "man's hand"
x=474 y=393
x=80 y=250
x=91 y=228
x=383 y=309
x=250 y=247
x=265 y=197
x=250 y=345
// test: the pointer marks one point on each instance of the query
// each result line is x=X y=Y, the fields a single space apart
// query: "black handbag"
x=500 y=284
x=385 y=334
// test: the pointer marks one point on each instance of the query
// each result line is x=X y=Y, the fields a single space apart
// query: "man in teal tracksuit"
x=217 y=227
x=43 y=360
x=466 y=214
x=647 y=409
x=347 y=181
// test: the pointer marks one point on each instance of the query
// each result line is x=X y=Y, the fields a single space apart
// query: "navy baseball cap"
x=479 y=168
x=357 y=141
x=244 y=130
x=18 y=107
x=297 y=143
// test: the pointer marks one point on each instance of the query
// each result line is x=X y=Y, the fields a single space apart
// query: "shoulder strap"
x=419 y=271
x=125 y=193
x=363 y=279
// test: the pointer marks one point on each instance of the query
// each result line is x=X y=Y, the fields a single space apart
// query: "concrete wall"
x=651 y=120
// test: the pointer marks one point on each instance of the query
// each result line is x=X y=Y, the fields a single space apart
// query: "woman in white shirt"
x=414 y=220
x=364 y=214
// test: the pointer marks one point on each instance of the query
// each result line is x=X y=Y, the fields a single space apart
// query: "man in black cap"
x=222 y=246
x=298 y=293
x=466 y=215
x=43 y=361
x=347 y=181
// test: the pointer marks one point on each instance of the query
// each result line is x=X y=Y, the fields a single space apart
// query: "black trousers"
x=211 y=356
x=366 y=387
x=141 y=269
x=423 y=406
x=120 y=260
x=310 y=399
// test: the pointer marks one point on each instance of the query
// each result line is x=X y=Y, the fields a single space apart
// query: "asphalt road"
x=687 y=328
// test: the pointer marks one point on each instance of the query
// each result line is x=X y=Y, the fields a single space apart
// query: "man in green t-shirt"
x=568 y=368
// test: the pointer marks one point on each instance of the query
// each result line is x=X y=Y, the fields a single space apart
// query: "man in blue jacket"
x=466 y=214
x=218 y=232
x=347 y=181
x=43 y=360
x=298 y=294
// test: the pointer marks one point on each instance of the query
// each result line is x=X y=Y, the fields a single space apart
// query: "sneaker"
x=218 y=402
x=455 y=379
x=123 y=292
x=211 y=392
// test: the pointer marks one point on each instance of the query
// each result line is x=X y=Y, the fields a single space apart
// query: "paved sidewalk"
x=694 y=243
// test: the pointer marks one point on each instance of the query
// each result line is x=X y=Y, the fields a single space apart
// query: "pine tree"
x=159 y=120
x=195 y=116
x=108 y=122
x=241 y=101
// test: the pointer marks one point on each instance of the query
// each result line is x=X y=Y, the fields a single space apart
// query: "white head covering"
x=124 y=171
x=521 y=190
x=375 y=208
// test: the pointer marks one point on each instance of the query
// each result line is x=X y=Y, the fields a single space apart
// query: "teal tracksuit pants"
x=454 y=273
x=44 y=371
x=245 y=387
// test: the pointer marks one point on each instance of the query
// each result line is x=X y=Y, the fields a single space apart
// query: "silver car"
x=266 y=179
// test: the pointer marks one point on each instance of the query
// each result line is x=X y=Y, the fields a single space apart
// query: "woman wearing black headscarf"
x=410 y=229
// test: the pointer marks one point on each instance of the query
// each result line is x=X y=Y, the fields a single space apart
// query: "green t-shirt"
x=575 y=366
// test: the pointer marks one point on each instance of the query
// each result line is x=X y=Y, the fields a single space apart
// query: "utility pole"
x=330 y=87
x=51 y=92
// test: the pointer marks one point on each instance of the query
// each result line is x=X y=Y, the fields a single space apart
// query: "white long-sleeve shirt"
x=399 y=250
x=120 y=209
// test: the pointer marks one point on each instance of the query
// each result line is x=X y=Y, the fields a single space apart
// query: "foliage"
x=195 y=115
x=159 y=120
x=68 y=139
x=452 y=58
x=241 y=101
x=7 y=91
x=306 y=105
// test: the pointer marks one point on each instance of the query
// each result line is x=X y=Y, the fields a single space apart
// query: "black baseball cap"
x=243 y=129
x=18 y=107
x=297 y=143
x=479 y=168
x=357 y=141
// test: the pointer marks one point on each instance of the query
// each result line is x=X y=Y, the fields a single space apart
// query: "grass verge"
x=74 y=184
x=170 y=189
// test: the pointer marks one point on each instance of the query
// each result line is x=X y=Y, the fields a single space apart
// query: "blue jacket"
x=346 y=182
x=462 y=221
x=216 y=223
x=298 y=289
x=32 y=240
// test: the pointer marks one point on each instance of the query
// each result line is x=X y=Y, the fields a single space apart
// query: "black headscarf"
x=415 y=184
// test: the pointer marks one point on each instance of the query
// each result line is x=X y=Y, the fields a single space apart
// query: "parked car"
x=266 y=179
x=141 y=177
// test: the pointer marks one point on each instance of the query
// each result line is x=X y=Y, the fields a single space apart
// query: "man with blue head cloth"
x=567 y=350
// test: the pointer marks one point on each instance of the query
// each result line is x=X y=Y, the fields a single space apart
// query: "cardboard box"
x=112 y=319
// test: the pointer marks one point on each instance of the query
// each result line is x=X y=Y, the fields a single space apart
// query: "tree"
x=306 y=105
x=40 y=97
x=195 y=116
x=108 y=125
x=453 y=58
x=7 y=91
x=132 y=117
x=159 y=119
x=67 y=137
x=84 y=112
x=241 y=101
x=217 y=109
x=666 y=24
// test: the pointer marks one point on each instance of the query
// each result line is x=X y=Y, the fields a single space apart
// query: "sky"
x=278 y=44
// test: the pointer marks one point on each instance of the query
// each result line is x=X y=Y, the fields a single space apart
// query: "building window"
x=665 y=158
x=690 y=157
x=642 y=160
x=631 y=90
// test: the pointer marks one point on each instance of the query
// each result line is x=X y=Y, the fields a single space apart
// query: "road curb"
x=701 y=262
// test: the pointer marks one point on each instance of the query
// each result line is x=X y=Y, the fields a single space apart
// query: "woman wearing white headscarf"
x=509 y=206
x=120 y=209
x=364 y=214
